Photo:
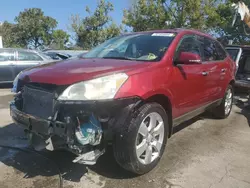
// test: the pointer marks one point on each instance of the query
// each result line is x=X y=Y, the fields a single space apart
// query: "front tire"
x=139 y=145
x=225 y=108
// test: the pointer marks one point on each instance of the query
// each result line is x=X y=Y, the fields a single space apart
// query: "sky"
x=61 y=10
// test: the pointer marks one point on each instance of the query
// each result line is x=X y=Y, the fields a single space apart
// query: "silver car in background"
x=13 y=61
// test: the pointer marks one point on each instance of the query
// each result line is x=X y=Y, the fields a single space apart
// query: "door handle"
x=204 y=73
x=223 y=70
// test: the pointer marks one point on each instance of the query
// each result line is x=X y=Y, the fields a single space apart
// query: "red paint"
x=184 y=85
x=189 y=58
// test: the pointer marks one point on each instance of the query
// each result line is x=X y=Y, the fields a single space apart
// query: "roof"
x=239 y=46
x=20 y=49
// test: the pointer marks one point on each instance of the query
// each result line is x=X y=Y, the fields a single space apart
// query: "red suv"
x=130 y=91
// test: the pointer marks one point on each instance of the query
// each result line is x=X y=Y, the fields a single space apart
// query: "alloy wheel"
x=150 y=138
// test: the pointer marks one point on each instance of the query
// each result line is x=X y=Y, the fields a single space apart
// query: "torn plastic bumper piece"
x=89 y=158
x=85 y=137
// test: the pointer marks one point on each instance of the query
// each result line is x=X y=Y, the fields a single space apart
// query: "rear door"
x=7 y=65
x=216 y=66
x=235 y=53
x=225 y=68
x=243 y=72
x=26 y=59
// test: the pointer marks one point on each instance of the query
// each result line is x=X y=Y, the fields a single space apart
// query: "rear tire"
x=225 y=108
x=139 y=145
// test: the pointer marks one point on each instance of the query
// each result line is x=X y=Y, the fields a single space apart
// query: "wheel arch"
x=232 y=82
x=165 y=102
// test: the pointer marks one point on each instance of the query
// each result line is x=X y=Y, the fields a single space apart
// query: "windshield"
x=140 y=47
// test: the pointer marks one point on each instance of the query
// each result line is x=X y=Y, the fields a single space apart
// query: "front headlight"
x=14 y=88
x=96 y=89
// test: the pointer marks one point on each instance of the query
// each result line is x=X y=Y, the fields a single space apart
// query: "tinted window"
x=188 y=44
x=221 y=54
x=210 y=53
x=140 y=47
x=244 y=64
x=28 y=56
x=247 y=65
x=233 y=53
x=6 y=55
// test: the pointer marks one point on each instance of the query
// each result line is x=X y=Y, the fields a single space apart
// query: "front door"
x=190 y=83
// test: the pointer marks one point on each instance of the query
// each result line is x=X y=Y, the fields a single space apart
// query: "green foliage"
x=95 y=28
x=159 y=14
x=59 y=39
x=9 y=32
x=222 y=25
x=212 y=16
x=35 y=28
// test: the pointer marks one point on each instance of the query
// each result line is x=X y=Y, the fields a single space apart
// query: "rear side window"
x=221 y=53
x=28 y=56
x=6 y=55
x=210 y=53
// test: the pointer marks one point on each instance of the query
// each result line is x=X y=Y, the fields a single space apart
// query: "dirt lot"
x=204 y=153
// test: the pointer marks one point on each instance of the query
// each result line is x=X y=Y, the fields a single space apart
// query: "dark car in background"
x=13 y=61
x=241 y=56
x=58 y=55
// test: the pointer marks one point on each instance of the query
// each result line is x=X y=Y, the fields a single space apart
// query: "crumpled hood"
x=76 y=70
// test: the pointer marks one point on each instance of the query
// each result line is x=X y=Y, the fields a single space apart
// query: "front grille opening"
x=40 y=86
x=37 y=102
x=52 y=88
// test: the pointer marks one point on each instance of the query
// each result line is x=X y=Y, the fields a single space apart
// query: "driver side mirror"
x=188 y=58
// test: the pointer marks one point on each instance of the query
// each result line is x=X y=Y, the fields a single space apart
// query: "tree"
x=95 y=28
x=10 y=37
x=59 y=39
x=223 y=24
x=159 y=14
x=35 y=28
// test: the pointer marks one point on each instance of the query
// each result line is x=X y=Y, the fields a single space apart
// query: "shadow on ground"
x=244 y=105
x=46 y=163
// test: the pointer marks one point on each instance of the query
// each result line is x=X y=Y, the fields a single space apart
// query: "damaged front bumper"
x=70 y=126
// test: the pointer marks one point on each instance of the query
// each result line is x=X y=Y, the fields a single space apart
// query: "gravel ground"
x=203 y=153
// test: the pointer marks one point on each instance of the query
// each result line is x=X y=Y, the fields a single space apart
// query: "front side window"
x=139 y=47
x=6 y=55
x=188 y=44
x=28 y=56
